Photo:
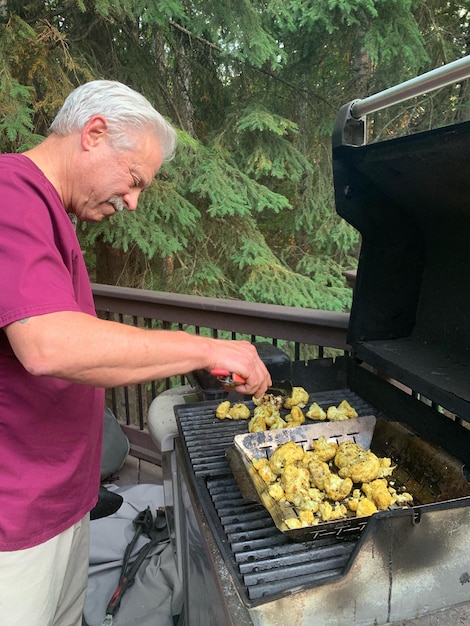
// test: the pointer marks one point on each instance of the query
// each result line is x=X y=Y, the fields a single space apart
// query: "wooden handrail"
x=309 y=326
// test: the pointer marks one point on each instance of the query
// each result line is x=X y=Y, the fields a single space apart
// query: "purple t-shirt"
x=50 y=429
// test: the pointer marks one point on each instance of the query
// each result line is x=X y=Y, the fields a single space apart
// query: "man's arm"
x=84 y=349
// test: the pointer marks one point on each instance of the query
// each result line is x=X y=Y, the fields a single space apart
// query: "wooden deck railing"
x=302 y=333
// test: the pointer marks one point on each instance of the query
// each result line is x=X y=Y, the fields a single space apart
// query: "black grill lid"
x=410 y=200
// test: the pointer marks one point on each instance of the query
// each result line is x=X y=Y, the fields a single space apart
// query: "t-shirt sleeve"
x=38 y=249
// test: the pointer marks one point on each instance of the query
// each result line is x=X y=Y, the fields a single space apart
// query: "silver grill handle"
x=435 y=79
x=350 y=127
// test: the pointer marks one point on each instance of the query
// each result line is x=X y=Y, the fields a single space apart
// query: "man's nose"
x=131 y=199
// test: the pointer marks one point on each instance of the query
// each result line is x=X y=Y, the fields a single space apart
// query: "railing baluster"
x=299 y=332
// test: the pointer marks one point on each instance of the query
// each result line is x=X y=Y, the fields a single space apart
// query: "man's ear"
x=94 y=132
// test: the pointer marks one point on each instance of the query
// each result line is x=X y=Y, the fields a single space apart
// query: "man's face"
x=111 y=179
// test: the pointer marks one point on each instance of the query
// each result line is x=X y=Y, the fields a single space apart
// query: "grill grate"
x=265 y=564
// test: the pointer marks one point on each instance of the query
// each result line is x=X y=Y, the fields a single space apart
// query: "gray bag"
x=115 y=446
x=155 y=599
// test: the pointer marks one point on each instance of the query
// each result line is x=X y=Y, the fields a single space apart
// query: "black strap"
x=157 y=530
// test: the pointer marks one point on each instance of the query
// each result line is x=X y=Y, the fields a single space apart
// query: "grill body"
x=239 y=569
x=410 y=362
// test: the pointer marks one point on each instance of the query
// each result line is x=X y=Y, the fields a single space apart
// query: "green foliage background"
x=245 y=210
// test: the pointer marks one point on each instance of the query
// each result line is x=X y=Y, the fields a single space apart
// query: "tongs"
x=229 y=379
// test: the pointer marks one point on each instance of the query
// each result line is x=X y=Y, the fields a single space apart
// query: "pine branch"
x=191 y=35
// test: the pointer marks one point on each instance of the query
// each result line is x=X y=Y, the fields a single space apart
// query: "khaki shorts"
x=46 y=585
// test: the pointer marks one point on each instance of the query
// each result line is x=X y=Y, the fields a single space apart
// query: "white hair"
x=124 y=110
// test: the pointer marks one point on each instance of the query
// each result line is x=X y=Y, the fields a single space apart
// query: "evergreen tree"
x=245 y=210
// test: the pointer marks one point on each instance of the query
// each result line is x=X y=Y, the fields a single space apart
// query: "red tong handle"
x=227 y=377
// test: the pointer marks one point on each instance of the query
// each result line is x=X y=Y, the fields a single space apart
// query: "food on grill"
x=378 y=492
x=264 y=470
x=295 y=417
x=319 y=470
x=315 y=412
x=295 y=480
x=237 y=411
x=266 y=417
x=284 y=455
x=362 y=466
x=299 y=398
x=329 y=482
x=330 y=511
x=267 y=411
x=361 y=505
x=337 y=488
x=257 y=424
x=343 y=412
x=324 y=450
x=222 y=410
x=268 y=398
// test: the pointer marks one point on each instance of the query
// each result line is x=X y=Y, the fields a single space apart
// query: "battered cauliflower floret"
x=347 y=409
x=268 y=399
x=307 y=518
x=299 y=398
x=271 y=416
x=274 y=418
x=365 y=508
x=297 y=496
x=266 y=411
x=222 y=410
x=378 y=492
x=365 y=470
x=278 y=424
x=295 y=481
x=339 y=511
x=333 y=414
x=239 y=411
x=257 y=424
x=337 y=488
x=356 y=463
x=295 y=474
x=343 y=412
x=309 y=455
x=347 y=452
x=285 y=454
x=386 y=467
x=324 y=450
x=276 y=492
x=312 y=500
x=292 y=523
x=315 y=412
x=296 y=416
x=264 y=470
x=404 y=498
x=353 y=501
x=332 y=512
x=319 y=470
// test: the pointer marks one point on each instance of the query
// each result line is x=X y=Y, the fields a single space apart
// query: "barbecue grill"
x=409 y=365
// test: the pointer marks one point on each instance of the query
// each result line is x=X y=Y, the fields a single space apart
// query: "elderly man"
x=104 y=147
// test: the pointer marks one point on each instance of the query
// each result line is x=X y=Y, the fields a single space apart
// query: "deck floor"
x=136 y=472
